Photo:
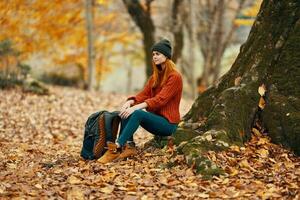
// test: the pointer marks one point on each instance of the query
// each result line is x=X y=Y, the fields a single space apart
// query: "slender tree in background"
x=59 y=35
x=214 y=38
x=226 y=112
x=91 y=50
x=141 y=14
x=192 y=41
x=183 y=20
x=174 y=25
x=177 y=29
x=6 y=52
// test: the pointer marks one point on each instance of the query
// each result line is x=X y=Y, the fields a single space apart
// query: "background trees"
x=56 y=34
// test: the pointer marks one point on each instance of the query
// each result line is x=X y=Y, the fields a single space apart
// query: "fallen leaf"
x=264 y=153
x=208 y=137
x=256 y=132
x=245 y=164
x=75 y=194
x=262 y=103
x=262 y=90
x=237 y=80
x=233 y=172
x=203 y=195
x=38 y=186
x=262 y=141
x=235 y=148
x=108 y=189
x=74 y=180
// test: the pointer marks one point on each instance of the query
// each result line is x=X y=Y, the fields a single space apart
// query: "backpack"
x=100 y=127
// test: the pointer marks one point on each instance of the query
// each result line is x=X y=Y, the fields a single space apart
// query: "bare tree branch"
x=148 y=6
x=228 y=38
x=141 y=18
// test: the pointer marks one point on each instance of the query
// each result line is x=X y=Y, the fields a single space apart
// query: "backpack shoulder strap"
x=112 y=119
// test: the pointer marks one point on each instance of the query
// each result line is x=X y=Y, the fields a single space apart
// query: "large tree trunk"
x=224 y=113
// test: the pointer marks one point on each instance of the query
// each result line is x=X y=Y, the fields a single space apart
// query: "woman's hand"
x=124 y=114
x=127 y=112
x=126 y=105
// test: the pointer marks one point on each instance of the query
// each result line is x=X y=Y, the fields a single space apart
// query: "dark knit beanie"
x=164 y=47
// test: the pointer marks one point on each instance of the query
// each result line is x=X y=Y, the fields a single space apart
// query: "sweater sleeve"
x=144 y=94
x=169 y=90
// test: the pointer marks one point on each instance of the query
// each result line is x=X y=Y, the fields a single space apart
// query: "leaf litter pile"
x=40 y=143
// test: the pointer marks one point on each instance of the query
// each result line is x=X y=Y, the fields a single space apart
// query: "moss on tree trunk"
x=271 y=56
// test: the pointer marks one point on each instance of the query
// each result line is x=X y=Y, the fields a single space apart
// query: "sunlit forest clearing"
x=238 y=138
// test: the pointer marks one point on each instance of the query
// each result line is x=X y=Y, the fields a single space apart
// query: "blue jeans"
x=153 y=123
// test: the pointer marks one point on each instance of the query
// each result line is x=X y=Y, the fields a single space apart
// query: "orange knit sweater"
x=163 y=100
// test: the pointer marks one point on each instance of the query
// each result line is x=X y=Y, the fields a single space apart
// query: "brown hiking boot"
x=128 y=151
x=99 y=146
x=111 y=154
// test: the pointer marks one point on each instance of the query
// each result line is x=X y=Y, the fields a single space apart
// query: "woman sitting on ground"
x=160 y=97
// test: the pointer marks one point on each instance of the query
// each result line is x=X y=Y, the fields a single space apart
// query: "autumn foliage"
x=41 y=138
x=56 y=30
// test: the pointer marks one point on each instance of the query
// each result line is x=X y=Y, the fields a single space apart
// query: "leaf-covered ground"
x=41 y=137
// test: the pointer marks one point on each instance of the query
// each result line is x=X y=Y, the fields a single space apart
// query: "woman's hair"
x=160 y=80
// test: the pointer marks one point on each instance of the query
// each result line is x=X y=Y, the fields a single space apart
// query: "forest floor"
x=40 y=143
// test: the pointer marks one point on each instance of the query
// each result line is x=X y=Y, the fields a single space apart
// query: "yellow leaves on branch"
x=102 y=2
x=253 y=10
x=244 y=22
x=36 y=25
x=58 y=29
x=248 y=14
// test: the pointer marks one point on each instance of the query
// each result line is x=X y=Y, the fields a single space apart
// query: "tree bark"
x=192 y=40
x=219 y=40
x=177 y=26
x=129 y=76
x=91 y=50
x=213 y=37
x=224 y=114
x=142 y=18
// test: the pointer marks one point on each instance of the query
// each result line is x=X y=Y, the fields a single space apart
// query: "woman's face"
x=158 y=58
